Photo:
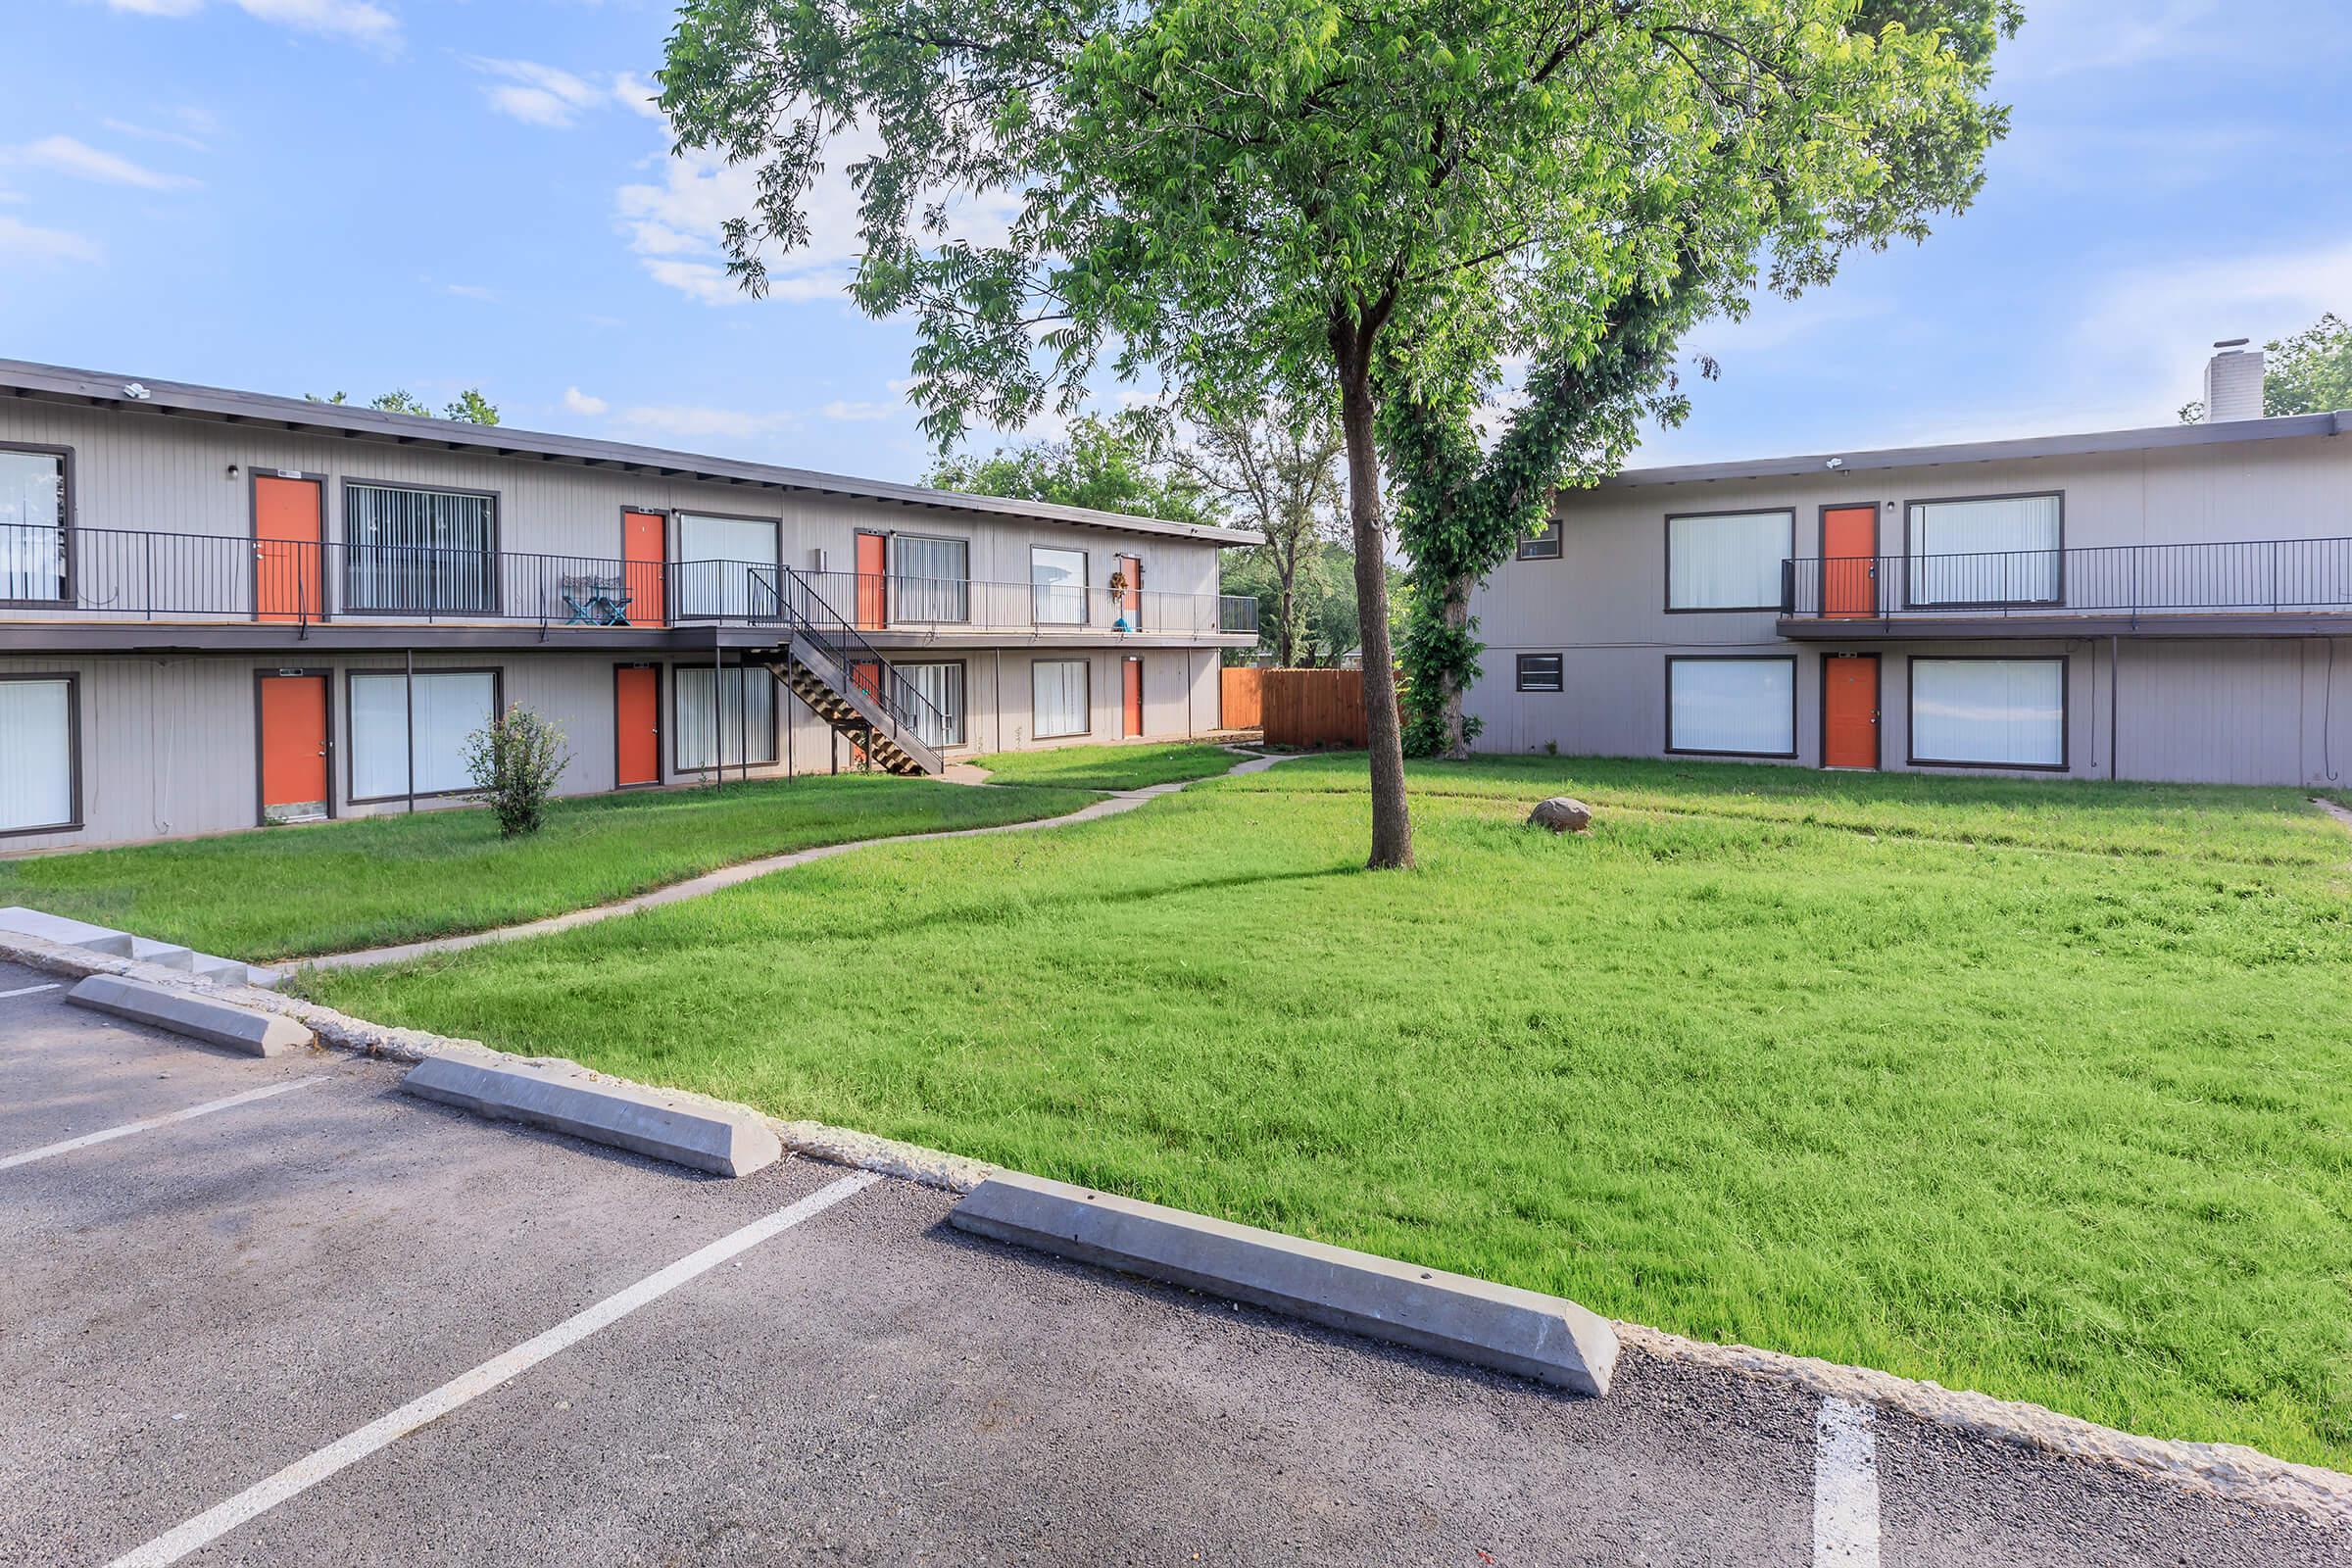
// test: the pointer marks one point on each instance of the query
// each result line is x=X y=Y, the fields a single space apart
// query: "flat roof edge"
x=64 y=383
x=2148 y=438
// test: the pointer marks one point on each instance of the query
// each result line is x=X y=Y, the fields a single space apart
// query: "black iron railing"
x=844 y=658
x=2244 y=577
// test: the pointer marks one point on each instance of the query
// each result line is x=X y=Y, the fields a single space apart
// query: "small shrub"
x=515 y=760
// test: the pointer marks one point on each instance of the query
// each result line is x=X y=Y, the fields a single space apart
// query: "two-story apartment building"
x=219 y=609
x=2153 y=604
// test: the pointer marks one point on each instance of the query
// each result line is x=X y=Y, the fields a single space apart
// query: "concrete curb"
x=200 y=1018
x=569 y=1099
x=1452 y=1315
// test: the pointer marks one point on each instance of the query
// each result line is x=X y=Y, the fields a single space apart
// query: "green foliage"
x=516 y=761
x=2310 y=372
x=1321 y=619
x=470 y=407
x=1110 y=464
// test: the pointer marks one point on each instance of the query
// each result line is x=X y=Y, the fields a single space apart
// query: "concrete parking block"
x=568 y=1099
x=1452 y=1315
x=257 y=1034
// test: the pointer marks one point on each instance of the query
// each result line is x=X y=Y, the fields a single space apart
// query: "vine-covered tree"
x=1242 y=194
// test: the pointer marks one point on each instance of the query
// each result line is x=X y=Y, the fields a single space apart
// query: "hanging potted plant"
x=1118 y=598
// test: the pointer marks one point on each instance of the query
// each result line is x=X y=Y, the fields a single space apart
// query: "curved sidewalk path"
x=1112 y=804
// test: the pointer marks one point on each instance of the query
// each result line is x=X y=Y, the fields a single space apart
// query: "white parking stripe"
x=27 y=990
x=127 y=1128
x=382 y=1433
x=1845 y=1488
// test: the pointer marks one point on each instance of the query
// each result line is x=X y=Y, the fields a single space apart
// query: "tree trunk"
x=1284 y=635
x=1391 y=821
x=1457 y=617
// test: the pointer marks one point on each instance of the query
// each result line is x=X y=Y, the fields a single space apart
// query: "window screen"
x=1539 y=672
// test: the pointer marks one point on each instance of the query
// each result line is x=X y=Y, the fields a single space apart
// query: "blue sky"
x=306 y=195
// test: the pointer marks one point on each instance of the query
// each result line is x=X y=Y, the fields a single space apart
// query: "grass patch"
x=1131 y=766
x=287 y=891
x=2035 y=1088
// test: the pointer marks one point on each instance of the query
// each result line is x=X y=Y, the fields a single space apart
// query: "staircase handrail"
x=841 y=640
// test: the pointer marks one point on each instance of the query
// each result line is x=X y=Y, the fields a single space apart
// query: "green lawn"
x=291 y=890
x=1132 y=767
x=2042 y=1089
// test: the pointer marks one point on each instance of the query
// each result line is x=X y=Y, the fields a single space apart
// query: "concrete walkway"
x=1111 y=804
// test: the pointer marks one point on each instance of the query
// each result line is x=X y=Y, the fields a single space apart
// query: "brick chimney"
x=2233 y=381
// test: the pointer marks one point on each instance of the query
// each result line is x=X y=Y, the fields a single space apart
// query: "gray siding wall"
x=170 y=745
x=151 y=473
x=2252 y=711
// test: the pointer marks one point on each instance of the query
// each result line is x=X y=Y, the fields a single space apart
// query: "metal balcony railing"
x=136 y=574
x=2242 y=577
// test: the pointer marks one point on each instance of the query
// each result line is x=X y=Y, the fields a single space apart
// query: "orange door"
x=1849 y=710
x=873 y=577
x=1849 y=567
x=1131 y=600
x=287 y=583
x=294 y=784
x=636 y=726
x=1133 y=677
x=641 y=541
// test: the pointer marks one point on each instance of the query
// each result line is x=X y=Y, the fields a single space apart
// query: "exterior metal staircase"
x=829 y=665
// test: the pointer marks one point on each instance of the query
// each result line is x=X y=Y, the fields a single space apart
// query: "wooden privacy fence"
x=1313 y=707
x=1239 y=692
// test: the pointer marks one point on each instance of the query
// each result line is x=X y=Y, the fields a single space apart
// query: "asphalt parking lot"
x=321 y=1322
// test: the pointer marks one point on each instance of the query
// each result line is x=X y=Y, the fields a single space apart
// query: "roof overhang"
x=183 y=400
x=2164 y=437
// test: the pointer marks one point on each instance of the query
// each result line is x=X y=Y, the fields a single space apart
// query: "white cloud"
x=2151 y=330
x=23 y=241
x=856 y=410
x=359 y=21
x=692 y=422
x=2066 y=37
x=471 y=291
x=576 y=401
x=178 y=138
x=636 y=94
x=537 y=94
x=66 y=156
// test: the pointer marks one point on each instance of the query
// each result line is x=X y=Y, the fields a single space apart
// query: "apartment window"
x=1539 y=672
x=934 y=578
x=1057 y=586
x=727 y=567
x=744 y=715
x=1543 y=546
x=1989 y=713
x=450 y=706
x=1057 y=697
x=938 y=705
x=420 y=552
x=37 y=771
x=33 y=526
x=1728 y=559
x=1731 y=707
x=1987 y=550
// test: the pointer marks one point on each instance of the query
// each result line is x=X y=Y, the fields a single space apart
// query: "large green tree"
x=1235 y=194
x=1111 y=464
x=468 y=407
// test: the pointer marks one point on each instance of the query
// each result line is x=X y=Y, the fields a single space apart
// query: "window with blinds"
x=33 y=526
x=1057 y=697
x=413 y=552
x=36 y=754
x=1989 y=713
x=937 y=708
x=743 y=717
x=727 y=567
x=443 y=711
x=934 y=578
x=1726 y=707
x=1057 y=586
x=1991 y=550
x=1728 y=561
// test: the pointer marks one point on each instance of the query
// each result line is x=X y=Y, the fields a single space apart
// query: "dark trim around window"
x=1672 y=659
x=351 y=753
x=1544 y=546
x=67 y=498
x=1085 y=582
x=1666 y=588
x=1086 y=708
x=1910 y=602
x=678 y=767
x=1529 y=672
x=73 y=751
x=497 y=607
x=2065 y=714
